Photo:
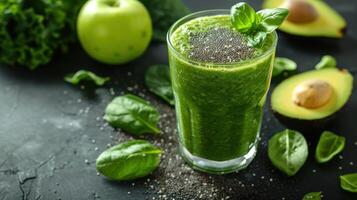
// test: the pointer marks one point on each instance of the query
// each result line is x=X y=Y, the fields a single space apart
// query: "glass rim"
x=213 y=12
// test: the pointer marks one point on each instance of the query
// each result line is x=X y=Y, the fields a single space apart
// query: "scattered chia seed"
x=219 y=45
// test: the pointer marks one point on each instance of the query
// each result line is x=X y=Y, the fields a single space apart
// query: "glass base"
x=218 y=167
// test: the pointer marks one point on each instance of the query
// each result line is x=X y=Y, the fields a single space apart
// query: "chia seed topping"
x=219 y=45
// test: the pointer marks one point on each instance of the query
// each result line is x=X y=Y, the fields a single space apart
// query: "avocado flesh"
x=328 y=23
x=302 y=118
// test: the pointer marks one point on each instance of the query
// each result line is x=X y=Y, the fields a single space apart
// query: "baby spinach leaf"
x=328 y=146
x=348 y=182
x=326 y=61
x=271 y=19
x=129 y=160
x=132 y=114
x=157 y=79
x=283 y=64
x=312 y=196
x=288 y=151
x=243 y=17
x=85 y=75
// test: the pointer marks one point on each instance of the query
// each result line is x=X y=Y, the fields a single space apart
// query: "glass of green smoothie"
x=220 y=85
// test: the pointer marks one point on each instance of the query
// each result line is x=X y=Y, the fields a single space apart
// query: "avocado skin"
x=336 y=29
x=306 y=126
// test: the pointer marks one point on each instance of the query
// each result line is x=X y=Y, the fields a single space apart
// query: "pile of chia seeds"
x=219 y=45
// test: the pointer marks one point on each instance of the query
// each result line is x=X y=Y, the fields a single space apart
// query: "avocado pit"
x=312 y=94
x=300 y=11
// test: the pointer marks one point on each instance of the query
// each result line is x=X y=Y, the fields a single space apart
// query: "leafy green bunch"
x=32 y=31
x=256 y=25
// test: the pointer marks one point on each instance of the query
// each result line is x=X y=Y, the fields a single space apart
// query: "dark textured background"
x=49 y=129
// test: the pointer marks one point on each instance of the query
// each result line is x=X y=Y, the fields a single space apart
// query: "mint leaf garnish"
x=271 y=19
x=257 y=39
x=256 y=25
x=243 y=17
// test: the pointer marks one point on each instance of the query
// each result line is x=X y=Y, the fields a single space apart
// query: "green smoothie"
x=219 y=95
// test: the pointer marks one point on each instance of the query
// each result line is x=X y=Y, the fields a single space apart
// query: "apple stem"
x=112 y=3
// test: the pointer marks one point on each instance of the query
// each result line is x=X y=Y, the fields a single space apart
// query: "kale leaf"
x=32 y=31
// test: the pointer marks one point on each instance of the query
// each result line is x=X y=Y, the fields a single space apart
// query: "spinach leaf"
x=288 y=151
x=328 y=146
x=129 y=160
x=312 y=196
x=348 y=182
x=256 y=25
x=85 y=75
x=271 y=19
x=163 y=14
x=243 y=17
x=157 y=79
x=283 y=64
x=326 y=61
x=132 y=114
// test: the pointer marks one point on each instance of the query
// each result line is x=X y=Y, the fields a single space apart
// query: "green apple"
x=114 y=31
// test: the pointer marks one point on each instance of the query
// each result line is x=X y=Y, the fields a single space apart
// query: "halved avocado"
x=308 y=101
x=309 y=18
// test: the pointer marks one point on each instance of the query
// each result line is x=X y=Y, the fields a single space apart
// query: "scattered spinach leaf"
x=163 y=14
x=288 y=151
x=326 y=61
x=348 y=182
x=328 y=146
x=132 y=114
x=312 y=196
x=129 y=160
x=82 y=75
x=283 y=64
x=157 y=79
x=256 y=25
x=32 y=31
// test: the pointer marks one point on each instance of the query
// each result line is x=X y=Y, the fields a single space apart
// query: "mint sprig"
x=256 y=25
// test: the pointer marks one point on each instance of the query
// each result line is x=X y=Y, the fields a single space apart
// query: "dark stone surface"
x=49 y=129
